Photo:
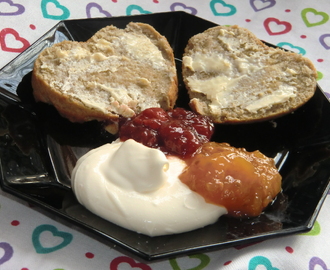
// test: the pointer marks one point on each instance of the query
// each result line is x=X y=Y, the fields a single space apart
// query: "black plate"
x=39 y=148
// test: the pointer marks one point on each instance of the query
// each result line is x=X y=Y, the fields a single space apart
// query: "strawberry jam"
x=176 y=132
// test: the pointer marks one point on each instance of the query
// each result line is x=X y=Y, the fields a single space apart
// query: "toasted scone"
x=233 y=77
x=117 y=72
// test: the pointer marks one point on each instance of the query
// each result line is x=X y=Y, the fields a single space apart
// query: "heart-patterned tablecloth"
x=31 y=238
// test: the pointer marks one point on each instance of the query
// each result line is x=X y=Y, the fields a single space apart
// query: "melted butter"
x=80 y=53
x=279 y=96
x=232 y=75
x=61 y=53
x=217 y=89
x=99 y=57
x=207 y=63
x=141 y=48
x=102 y=43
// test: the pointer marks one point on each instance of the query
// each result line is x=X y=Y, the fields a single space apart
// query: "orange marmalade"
x=243 y=182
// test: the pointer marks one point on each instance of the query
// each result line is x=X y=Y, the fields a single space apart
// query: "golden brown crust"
x=256 y=71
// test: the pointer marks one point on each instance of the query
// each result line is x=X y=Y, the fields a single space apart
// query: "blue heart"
x=65 y=10
x=260 y=260
x=130 y=8
x=301 y=50
x=67 y=238
x=224 y=4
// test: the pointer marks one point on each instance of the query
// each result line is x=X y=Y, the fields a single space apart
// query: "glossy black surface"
x=38 y=149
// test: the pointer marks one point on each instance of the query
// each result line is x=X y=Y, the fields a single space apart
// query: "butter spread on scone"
x=233 y=77
x=117 y=72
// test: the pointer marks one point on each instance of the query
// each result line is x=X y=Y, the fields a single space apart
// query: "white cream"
x=137 y=187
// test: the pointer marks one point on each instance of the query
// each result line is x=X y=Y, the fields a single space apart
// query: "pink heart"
x=8 y=252
x=9 y=31
x=97 y=6
x=287 y=26
x=317 y=261
x=19 y=9
x=123 y=259
x=259 y=5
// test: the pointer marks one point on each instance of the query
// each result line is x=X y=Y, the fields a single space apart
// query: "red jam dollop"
x=176 y=132
x=243 y=182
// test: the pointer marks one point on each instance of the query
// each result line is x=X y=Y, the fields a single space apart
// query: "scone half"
x=233 y=77
x=117 y=72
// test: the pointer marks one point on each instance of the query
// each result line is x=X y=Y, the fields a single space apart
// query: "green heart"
x=130 y=8
x=67 y=238
x=319 y=75
x=204 y=261
x=260 y=260
x=223 y=3
x=65 y=10
x=315 y=230
x=325 y=17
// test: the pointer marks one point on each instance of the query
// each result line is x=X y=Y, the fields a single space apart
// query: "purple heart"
x=100 y=9
x=8 y=252
x=317 y=261
x=19 y=9
x=264 y=4
x=322 y=41
x=191 y=10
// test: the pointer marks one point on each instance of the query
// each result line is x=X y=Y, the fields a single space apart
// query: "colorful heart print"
x=66 y=238
x=312 y=17
x=272 y=26
x=259 y=5
x=58 y=11
x=260 y=260
x=130 y=10
x=316 y=228
x=226 y=9
x=13 y=9
x=181 y=6
x=325 y=41
x=99 y=9
x=8 y=252
x=291 y=47
x=203 y=258
x=127 y=260
x=315 y=261
x=319 y=77
x=11 y=41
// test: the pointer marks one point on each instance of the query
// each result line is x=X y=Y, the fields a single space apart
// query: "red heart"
x=9 y=31
x=287 y=26
x=123 y=259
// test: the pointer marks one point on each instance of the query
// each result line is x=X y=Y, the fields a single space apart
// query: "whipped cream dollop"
x=137 y=187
